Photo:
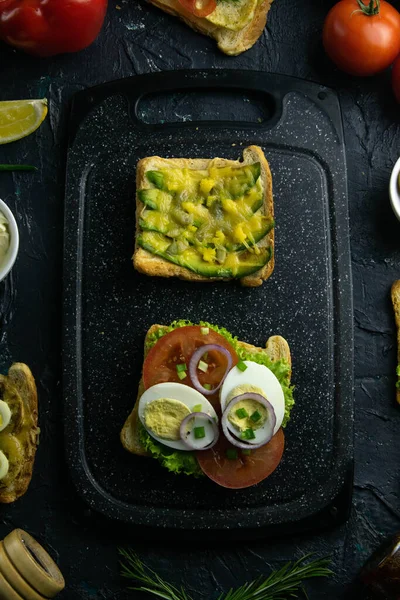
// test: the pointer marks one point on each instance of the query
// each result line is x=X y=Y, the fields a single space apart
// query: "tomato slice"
x=244 y=471
x=199 y=8
x=177 y=347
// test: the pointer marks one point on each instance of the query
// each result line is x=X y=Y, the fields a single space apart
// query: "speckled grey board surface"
x=109 y=307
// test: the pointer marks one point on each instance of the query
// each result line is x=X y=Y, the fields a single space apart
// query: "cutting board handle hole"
x=195 y=105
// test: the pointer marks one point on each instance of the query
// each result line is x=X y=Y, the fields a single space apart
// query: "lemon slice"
x=19 y=118
x=233 y=15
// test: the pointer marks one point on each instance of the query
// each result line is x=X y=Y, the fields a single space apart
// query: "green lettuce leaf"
x=179 y=461
x=176 y=461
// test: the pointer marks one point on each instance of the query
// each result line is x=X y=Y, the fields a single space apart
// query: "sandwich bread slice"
x=19 y=432
x=205 y=219
x=236 y=25
x=396 y=308
x=276 y=349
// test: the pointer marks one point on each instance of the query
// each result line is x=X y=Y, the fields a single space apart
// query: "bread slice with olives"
x=205 y=219
x=276 y=349
x=19 y=438
x=396 y=307
x=236 y=25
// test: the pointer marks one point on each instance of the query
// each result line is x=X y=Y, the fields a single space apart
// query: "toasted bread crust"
x=21 y=379
x=276 y=347
x=155 y=266
x=229 y=42
x=395 y=292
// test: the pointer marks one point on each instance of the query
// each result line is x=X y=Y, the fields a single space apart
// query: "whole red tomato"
x=48 y=27
x=396 y=79
x=362 y=37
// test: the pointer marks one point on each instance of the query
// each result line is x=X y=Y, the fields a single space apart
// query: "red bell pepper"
x=48 y=27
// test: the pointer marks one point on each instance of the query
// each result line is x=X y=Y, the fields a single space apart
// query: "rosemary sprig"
x=282 y=584
x=134 y=569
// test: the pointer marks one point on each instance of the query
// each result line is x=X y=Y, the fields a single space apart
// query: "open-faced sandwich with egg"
x=19 y=432
x=235 y=24
x=205 y=219
x=211 y=405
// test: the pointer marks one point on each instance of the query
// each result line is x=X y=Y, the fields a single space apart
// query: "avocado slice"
x=156 y=178
x=240 y=180
x=246 y=263
x=156 y=199
x=266 y=226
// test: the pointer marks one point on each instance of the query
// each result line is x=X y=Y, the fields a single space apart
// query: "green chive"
x=17 y=168
x=182 y=375
x=207 y=386
x=242 y=413
x=246 y=452
x=241 y=366
x=232 y=454
x=203 y=366
x=255 y=417
x=197 y=408
x=205 y=356
x=205 y=330
x=180 y=368
x=199 y=432
x=248 y=434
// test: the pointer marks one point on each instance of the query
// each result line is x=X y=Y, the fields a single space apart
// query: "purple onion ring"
x=271 y=420
x=183 y=431
x=194 y=361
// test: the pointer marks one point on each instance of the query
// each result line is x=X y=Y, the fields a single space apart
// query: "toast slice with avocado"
x=236 y=25
x=205 y=219
x=19 y=438
x=396 y=307
x=276 y=350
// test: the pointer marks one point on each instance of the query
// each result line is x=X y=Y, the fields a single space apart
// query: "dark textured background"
x=140 y=39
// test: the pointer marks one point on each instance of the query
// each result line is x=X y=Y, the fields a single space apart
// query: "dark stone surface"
x=140 y=39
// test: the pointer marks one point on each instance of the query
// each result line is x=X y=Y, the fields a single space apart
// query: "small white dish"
x=9 y=260
x=394 y=189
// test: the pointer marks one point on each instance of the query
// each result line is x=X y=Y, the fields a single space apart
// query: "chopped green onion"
x=246 y=452
x=203 y=366
x=248 y=434
x=205 y=330
x=205 y=356
x=180 y=368
x=232 y=454
x=182 y=375
x=207 y=386
x=197 y=408
x=242 y=413
x=241 y=366
x=199 y=432
x=255 y=417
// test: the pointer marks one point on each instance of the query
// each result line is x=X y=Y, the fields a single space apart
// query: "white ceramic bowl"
x=12 y=251
x=394 y=189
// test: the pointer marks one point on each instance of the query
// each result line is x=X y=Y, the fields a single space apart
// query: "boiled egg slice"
x=255 y=378
x=4 y=465
x=164 y=406
x=5 y=415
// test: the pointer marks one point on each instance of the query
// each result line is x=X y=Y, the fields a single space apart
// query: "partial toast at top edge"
x=229 y=42
x=152 y=265
x=21 y=379
x=276 y=347
x=395 y=293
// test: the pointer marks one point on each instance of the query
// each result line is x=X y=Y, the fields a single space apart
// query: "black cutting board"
x=308 y=300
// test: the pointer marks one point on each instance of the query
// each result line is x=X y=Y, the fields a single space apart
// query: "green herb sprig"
x=17 y=168
x=281 y=584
